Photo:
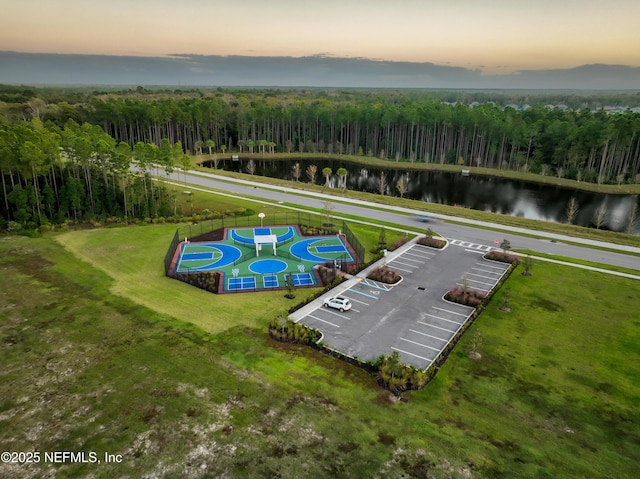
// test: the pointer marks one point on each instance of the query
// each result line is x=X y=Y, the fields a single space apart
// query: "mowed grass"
x=134 y=258
x=83 y=369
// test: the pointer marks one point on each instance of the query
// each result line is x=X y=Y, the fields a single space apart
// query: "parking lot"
x=411 y=317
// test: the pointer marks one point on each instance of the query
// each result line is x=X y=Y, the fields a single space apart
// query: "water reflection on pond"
x=497 y=195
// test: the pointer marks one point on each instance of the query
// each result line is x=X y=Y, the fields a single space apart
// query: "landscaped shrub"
x=395 y=376
x=203 y=279
x=283 y=329
x=397 y=243
x=384 y=275
x=502 y=257
x=432 y=242
x=466 y=296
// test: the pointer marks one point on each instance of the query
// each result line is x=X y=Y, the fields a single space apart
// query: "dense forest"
x=65 y=153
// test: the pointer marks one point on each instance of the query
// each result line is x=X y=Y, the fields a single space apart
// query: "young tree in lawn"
x=327 y=212
x=505 y=245
x=527 y=263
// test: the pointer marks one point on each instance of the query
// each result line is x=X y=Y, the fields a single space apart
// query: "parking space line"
x=374 y=284
x=442 y=319
x=481 y=282
x=492 y=267
x=321 y=320
x=356 y=300
x=411 y=354
x=485 y=271
x=404 y=257
x=481 y=276
x=401 y=269
x=452 y=312
x=437 y=327
x=404 y=264
x=424 y=249
x=417 y=255
x=364 y=294
x=418 y=344
x=327 y=310
x=476 y=287
x=429 y=336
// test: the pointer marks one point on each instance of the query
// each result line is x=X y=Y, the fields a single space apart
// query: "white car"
x=338 y=302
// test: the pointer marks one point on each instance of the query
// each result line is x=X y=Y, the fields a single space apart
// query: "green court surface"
x=246 y=257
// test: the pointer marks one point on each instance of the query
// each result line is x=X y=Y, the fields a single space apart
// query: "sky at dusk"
x=494 y=36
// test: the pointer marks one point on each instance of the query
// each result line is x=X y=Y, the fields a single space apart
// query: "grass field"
x=554 y=395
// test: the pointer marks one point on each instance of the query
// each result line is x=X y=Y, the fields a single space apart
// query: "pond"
x=483 y=193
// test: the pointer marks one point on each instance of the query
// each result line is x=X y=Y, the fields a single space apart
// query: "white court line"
x=442 y=319
x=485 y=271
x=453 y=312
x=437 y=327
x=321 y=320
x=492 y=267
x=481 y=276
x=429 y=336
x=418 y=344
x=411 y=354
x=475 y=287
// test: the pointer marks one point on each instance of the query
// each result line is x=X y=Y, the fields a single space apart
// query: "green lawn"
x=554 y=395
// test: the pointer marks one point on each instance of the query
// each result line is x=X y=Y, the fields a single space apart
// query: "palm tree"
x=342 y=175
x=311 y=173
x=326 y=172
x=210 y=144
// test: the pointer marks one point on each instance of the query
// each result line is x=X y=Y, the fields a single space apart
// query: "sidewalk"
x=351 y=282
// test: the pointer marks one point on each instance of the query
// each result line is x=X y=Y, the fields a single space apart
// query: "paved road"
x=473 y=232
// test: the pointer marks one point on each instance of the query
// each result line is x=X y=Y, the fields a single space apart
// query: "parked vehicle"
x=338 y=302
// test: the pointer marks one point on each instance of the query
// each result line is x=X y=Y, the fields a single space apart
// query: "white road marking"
x=481 y=276
x=442 y=319
x=356 y=300
x=411 y=354
x=485 y=271
x=418 y=344
x=492 y=267
x=436 y=327
x=401 y=269
x=475 y=287
x=473 y=251
x=429 y=336
x=452 y=312
x=321 y=320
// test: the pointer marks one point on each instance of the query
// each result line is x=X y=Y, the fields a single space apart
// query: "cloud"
x=319 y=70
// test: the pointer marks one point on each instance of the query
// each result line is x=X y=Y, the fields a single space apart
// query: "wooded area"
x=65 y=154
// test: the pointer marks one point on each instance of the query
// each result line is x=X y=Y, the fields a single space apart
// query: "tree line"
x=578 y=144
x=52 y=175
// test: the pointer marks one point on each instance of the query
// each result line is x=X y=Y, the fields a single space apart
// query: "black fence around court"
x=308 y=220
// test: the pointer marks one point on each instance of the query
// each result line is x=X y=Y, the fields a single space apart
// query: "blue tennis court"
x=270 y=281
x=302 y=279
x=235 y=284
x=331 y=249
x=261 y=231
x=196 y=256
